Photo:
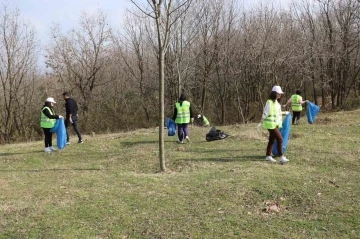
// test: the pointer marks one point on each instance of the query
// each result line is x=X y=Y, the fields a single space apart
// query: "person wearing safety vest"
x=182 y=117
x=272 y=121
x=47 y=121
x=296 y=102
x=204 y=120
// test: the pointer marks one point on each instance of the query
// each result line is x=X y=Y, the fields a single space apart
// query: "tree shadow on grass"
x=244 y=158
x=51 y=170
x=130 y=144
x=11 y=154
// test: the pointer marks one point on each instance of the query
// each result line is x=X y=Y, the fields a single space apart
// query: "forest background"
x=224 y=58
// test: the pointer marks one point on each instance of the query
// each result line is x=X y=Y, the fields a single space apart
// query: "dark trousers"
x=183 y=131
x=274 y=135
x=48 y=137
x=76 y=128
x=296 y=115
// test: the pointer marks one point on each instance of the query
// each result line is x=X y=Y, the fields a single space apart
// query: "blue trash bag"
x=285 y=133
x=312 y=111
x=60 y=131
x=171 y=126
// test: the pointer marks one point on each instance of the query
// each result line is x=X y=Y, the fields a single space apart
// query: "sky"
x=42 y=14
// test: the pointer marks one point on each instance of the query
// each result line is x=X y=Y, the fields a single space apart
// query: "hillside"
x=110 y=187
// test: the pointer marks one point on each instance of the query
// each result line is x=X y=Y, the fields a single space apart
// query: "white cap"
x=51 y=100
x=277 y=89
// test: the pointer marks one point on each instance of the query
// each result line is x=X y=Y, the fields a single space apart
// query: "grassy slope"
x=109 y=186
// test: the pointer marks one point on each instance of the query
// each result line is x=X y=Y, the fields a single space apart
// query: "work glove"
x=287 y=112
x=61 y=117
x=192 y=120
x=70 y=120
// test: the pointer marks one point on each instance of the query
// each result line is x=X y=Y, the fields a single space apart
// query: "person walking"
x=296 y=102
x=272 y=121
x=183 y=116
x=47 y=121
x=71 y=108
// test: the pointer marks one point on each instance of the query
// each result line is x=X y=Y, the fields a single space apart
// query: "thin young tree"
x=165 y=13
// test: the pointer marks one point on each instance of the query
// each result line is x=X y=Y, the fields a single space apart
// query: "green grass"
x=110 y=186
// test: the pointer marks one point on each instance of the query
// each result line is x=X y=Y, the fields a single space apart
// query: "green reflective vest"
x=45 y=122
x=295 y=103
x=273 y=119
x=183 y=112
x=205 y=121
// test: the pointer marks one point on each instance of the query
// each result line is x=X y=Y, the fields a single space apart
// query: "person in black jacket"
x=71 y=116
x=47 y=121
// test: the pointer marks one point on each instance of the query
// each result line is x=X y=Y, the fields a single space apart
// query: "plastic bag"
x=171 y=126
x=312 y=111
x=215 y=134
x=60 y=130
x=285 y=133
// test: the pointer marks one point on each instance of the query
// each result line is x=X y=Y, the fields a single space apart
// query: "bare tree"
x=18 y=55
x=79 y=57
x=133 y=48
x=165 y=13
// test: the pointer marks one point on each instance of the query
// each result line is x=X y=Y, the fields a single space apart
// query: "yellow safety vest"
x=45 y=122
x=205 y=121
x=183 y=112
x=273 y=119
x=295 y=103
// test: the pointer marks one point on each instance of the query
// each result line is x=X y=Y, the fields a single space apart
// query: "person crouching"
x=204 y=121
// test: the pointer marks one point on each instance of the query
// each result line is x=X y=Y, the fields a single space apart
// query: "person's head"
x=50 y=102
x=182 y=97
x=66 y=95
x=276 y=93
x=298 y=92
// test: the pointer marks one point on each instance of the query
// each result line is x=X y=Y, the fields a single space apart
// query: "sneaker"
x=68 y=142
x=283 y=159
x=47 y=150
x=187 y=139
x=52 y=148
x=270 y=159
x=80 y=141
x=179 y=142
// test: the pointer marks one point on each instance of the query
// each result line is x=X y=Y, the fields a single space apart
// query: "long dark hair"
x=48 y=104
x=272 y=96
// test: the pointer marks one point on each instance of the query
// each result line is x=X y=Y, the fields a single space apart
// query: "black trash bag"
x=215 y=134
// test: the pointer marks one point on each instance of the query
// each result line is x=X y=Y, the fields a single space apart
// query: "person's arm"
x=67 y=108
x=50 y=116
x=288 y=102
x=175 y=113
x=265 y=112
x=301 y=101
x=191 y=114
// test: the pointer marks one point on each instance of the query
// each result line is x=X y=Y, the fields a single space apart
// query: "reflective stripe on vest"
x=45 y=122
x=295 y=103
x=183 y=112
x=272 y=120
